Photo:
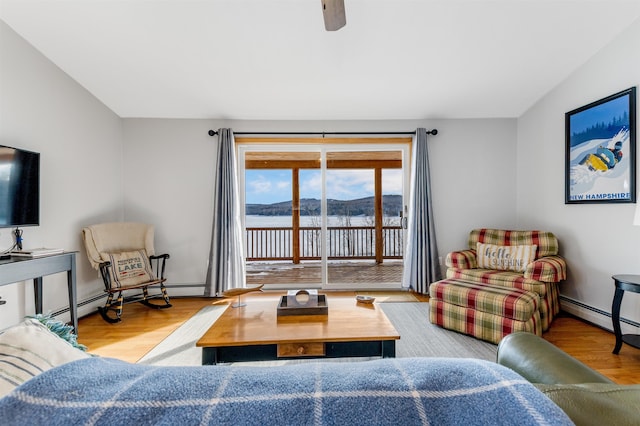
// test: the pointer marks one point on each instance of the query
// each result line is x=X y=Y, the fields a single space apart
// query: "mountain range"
x=391 y=205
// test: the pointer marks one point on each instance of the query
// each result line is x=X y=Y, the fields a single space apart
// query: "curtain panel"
x=226 y=267
x=421 y=266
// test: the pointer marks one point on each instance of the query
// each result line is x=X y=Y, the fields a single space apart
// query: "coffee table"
x=256 y=333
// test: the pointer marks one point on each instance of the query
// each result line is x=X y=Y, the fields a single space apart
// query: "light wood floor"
x=143 y=328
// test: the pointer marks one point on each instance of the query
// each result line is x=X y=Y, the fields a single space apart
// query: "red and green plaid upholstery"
x=483 y=311
x=539 y=277
x=550 y=269
x=546 y=241
x=549 y=295
x=506 y=302
x=482 y=325
x=508 y=279
x=463 y=259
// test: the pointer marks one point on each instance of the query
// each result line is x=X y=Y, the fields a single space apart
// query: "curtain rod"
x=430 y=132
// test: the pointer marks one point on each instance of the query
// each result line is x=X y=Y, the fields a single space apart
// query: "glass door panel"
x=275 y=216
x=310 y=216
x=350 y=236
x=393 y=238
x=324 y=216
x=364 y=192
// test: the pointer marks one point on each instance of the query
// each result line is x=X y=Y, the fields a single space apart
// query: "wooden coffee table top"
x=257 y=323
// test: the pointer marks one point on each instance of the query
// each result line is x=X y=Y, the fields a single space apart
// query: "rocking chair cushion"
x=129 y=268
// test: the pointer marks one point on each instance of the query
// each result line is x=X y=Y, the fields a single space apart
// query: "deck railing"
x=343 y=242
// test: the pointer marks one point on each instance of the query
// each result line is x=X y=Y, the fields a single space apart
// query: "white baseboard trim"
x=89 y=305
x=597 y=316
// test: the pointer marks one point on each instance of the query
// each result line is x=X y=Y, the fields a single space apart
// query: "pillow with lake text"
x=505 y=258
x=130 y=268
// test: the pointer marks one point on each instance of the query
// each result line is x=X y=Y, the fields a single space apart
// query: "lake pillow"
x=130 y=268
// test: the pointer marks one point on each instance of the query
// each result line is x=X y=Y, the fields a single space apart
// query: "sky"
x=272 y=186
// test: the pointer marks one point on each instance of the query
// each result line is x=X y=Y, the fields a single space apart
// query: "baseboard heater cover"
x=100 y=296
x=594 y=315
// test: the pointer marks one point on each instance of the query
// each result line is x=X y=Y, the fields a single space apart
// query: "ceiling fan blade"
x=334 y=16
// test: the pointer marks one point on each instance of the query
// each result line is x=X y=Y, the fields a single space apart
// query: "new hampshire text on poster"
x=610 y=196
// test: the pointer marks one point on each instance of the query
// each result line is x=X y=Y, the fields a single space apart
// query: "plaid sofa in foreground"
x=540 y=276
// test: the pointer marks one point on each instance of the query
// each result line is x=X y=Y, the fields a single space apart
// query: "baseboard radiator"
x=91 y=300
x=80 y=304
x=597 y=316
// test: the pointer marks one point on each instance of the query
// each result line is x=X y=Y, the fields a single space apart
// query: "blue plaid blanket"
x=407 y=391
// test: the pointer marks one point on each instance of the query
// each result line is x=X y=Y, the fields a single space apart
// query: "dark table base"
x=623 y=283
x=224 y=354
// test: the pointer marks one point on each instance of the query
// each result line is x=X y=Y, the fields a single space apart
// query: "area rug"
x=179 y=348
x=418 y=338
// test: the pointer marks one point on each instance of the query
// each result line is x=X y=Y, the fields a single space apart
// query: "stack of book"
x=37 y=252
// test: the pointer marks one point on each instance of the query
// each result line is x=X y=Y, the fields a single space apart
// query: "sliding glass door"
x=324 y=215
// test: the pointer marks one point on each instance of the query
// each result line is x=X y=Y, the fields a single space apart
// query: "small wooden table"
x=623 y=283
x=256 y=333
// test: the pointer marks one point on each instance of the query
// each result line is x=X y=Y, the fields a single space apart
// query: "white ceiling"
x=272 y=59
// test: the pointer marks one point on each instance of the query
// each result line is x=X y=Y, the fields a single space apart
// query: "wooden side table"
x=623 y=283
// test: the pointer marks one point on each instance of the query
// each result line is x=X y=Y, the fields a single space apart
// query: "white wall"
x=598 y=241
x=97 y=167
x=168 y=169
x=472 y=171
x=168 y=174
x=80 y=142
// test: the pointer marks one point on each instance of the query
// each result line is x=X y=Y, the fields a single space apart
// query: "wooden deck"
x=310 y=273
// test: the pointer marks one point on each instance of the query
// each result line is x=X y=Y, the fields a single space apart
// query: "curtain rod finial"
x=212 y=133
x=433 y=132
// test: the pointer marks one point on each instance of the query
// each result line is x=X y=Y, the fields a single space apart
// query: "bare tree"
x=314 y=240
x=348 y=239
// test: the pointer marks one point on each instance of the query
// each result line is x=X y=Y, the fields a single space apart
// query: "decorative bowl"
x=365 y=299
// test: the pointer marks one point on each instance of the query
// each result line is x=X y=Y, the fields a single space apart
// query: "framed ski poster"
x=600 y=159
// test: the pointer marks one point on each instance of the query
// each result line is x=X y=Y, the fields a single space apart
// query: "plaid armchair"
x=540 y=276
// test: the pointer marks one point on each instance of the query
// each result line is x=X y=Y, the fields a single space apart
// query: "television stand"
x=16 y=269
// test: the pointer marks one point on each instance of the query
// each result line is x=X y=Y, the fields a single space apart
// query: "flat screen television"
x=19 y=187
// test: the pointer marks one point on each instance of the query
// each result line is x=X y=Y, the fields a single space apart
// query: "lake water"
x=252 y=221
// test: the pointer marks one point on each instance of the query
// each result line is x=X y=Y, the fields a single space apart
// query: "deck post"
x=378 y=215
x=295 y=214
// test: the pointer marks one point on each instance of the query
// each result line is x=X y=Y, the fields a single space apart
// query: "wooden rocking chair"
x=123 y=252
